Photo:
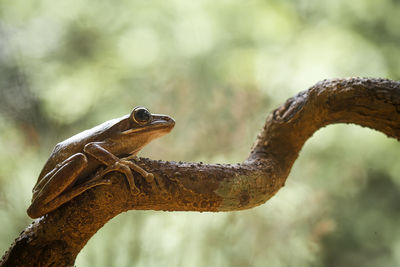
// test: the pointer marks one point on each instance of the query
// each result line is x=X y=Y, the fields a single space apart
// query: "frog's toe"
x=149 y=177
x=135 y=191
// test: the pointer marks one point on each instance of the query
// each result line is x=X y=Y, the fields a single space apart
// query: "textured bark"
x=56 y=238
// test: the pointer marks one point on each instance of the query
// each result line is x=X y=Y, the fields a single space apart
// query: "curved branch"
x=57 y=238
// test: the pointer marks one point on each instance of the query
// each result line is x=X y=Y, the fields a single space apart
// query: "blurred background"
x=218 y=68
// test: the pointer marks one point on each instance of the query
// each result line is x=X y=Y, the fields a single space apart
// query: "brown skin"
x=71 y=167
x=57 y=238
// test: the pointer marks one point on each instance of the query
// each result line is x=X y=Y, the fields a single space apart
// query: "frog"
x=82 y=161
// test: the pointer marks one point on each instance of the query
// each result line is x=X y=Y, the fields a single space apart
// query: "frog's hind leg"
x=49 y=193
x=75 y=191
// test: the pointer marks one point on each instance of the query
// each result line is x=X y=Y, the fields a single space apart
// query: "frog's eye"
x=141 y=115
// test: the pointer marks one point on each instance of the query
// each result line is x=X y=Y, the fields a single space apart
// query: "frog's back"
x=75 y=144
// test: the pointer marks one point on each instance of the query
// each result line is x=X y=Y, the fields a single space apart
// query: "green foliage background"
x=218 y=68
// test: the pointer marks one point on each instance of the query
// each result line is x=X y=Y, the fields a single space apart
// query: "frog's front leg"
x=50 y=193
x=114 y=163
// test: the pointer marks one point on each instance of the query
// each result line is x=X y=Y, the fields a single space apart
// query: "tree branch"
x=56 y=238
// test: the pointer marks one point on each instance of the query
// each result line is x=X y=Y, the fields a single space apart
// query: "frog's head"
x=140 y=128
x=142 y=121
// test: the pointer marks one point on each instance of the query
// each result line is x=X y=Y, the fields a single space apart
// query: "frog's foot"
x=150 y=178
x=147 y=175
x=124 y=166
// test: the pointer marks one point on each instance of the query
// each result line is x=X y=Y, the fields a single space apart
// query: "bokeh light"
x=218 y=68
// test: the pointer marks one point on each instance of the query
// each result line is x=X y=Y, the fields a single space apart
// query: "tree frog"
x=75 y=164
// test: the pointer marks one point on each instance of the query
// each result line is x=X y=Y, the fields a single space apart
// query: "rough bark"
x=56 y=238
